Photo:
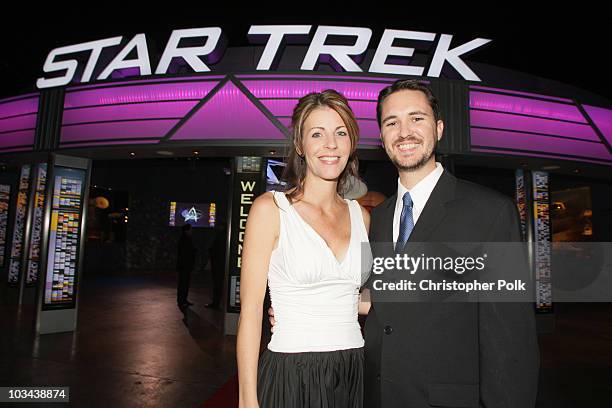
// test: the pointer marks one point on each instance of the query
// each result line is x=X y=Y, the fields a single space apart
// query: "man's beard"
x=420 y=163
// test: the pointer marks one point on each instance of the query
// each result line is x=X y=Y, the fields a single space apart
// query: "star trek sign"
x=341 y=47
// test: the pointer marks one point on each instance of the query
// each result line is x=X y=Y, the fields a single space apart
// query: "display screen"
x=521 y=201
x=39 y=208
x=198 y=215
x=5 y=195
x=274 y=173
x=66 y=216
x=19 y=225
x=542 y=240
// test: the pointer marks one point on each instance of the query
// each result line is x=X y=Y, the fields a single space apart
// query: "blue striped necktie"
x=406 y=222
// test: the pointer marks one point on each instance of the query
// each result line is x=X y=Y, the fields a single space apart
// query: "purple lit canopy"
x=18 y=123
x=505 y=122
x=245 y=107
x=258 y=107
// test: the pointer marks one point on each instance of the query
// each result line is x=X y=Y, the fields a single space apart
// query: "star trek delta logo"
x=191 y=214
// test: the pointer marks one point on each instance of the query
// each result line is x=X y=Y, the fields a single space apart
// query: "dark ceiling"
x=569 y=46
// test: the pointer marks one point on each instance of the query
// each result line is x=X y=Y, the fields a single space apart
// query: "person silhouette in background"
x=185 y=262
x=217 y=263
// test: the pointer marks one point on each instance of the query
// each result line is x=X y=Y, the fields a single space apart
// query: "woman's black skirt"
x=311 y=380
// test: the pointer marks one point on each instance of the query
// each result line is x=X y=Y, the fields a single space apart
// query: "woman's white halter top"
x=315 y=296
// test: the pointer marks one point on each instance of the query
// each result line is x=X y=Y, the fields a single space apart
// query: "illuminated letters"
x=341 y=57
x=141 y=62
x=340 y=54
x=190 y=54
x=70 y=66
x=386 y=49
x=275 y=34
x=443 y=54
x=245 y=199
x=247 y=185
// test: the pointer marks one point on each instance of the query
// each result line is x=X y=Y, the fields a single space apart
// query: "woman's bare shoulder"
x=267 y=200
x=265 y=206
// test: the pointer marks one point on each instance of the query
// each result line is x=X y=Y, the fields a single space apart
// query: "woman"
x=307 y=245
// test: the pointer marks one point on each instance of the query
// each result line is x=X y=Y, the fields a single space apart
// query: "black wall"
x=151 y=184
x=380 y=176
x=501 y=180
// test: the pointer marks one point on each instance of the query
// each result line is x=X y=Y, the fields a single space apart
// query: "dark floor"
x=132 y=349
x=577 y=358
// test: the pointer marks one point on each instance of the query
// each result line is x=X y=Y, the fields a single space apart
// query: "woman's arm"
x=261 y=235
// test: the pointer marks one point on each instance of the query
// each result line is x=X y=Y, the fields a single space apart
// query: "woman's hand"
x=272 y=319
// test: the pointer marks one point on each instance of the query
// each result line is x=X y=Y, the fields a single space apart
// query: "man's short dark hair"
x=186 y=227
x=411 y=85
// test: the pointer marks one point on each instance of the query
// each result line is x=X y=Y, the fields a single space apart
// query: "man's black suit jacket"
x=451 y=354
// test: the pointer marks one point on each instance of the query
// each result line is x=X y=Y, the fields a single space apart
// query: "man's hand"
x=271 y=318
x=365 y=302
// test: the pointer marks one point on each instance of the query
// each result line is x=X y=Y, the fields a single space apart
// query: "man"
x=185 y=262
x=441 y=354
